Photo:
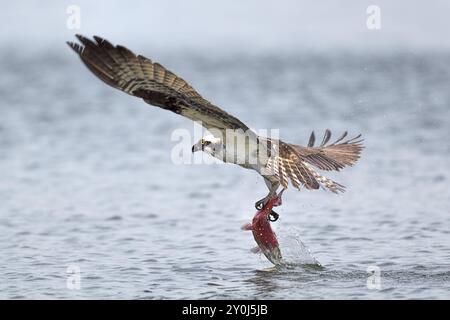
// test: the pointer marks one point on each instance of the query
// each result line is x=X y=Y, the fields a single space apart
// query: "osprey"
x=277 y=161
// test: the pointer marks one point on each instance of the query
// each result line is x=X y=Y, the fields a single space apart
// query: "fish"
x=263 y=234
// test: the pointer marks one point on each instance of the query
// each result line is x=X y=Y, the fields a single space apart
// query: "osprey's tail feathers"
x=333 y=156
x=329 y=184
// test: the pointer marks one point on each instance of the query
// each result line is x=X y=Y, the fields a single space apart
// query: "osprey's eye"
x=202 y=141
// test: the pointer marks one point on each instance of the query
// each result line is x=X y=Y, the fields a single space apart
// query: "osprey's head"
x=210 y=145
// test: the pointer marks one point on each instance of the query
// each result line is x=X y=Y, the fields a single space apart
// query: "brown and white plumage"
x=295 y=163
x=140 y=77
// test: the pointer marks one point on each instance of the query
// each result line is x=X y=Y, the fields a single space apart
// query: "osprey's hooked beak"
x=197 y=147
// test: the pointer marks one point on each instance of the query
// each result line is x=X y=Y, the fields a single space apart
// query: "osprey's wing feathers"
x=287 y=165
x=294 y=163
x=140 y=77
x=333 y=156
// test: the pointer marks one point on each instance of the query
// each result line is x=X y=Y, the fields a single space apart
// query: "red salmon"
x=263 y=233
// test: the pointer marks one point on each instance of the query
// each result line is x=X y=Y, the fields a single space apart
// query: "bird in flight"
x=276 y=161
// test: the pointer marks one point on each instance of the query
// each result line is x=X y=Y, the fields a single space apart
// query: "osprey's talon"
x=259 y=205
x=171 y=93
x=273 y=216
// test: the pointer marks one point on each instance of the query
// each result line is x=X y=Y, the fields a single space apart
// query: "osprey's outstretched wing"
x=140 y=77
x=331 y=156
x=295 y=163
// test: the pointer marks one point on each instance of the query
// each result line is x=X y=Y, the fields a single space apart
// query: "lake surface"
x=87 y=184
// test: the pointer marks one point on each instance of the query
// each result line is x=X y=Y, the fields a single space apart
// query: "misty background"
x=250 y=25
x=87 y=182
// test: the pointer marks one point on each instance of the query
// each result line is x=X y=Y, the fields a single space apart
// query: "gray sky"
x=220 y=24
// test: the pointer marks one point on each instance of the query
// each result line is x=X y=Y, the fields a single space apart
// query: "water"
x=87 y=180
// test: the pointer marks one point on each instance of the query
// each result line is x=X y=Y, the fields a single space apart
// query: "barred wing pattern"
x=140 y=77
x=333 y=156
x=295 y=163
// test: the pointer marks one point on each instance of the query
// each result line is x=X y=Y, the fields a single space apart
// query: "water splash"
x=294 y=251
